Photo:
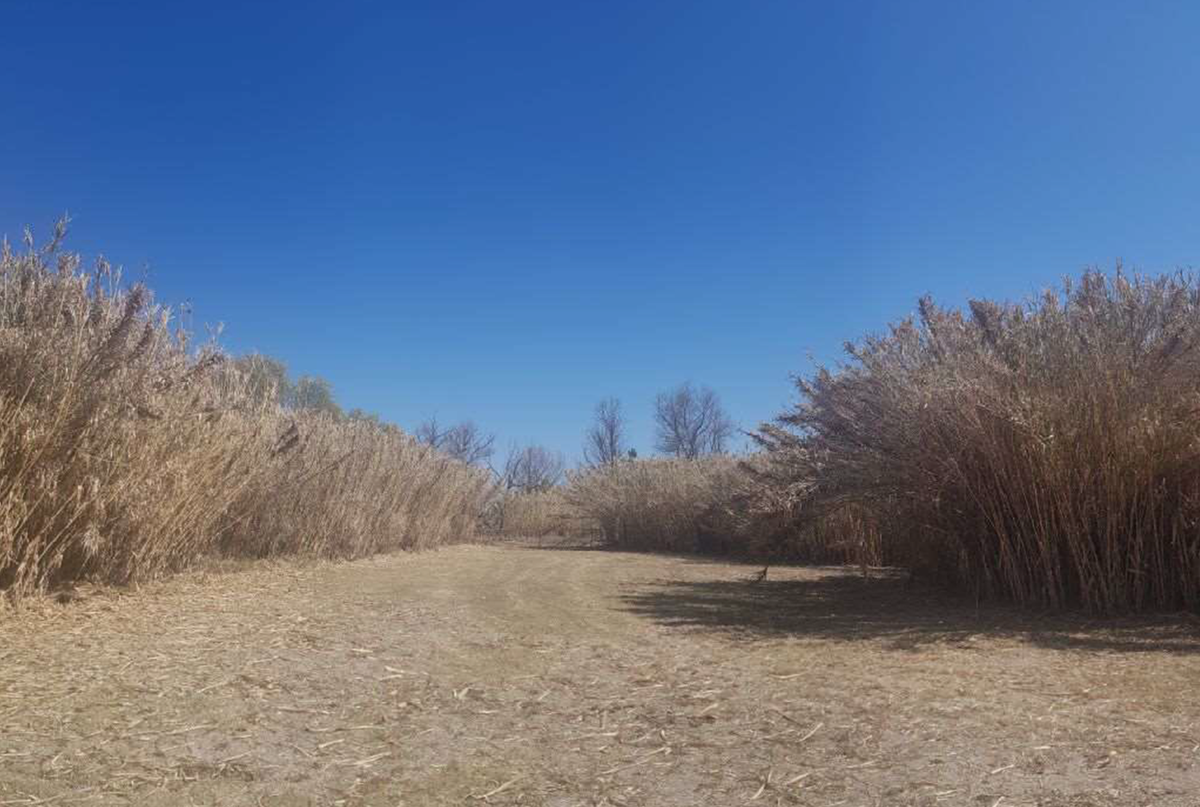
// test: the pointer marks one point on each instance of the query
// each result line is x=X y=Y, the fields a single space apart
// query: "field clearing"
x=563 y=676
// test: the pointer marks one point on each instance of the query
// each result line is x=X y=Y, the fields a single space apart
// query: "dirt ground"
x=562 y=676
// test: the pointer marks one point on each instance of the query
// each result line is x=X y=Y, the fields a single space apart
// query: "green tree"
x=315 y=394
x=267 y=378
x=362 y=414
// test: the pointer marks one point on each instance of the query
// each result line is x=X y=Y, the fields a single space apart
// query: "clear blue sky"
x=506 y=210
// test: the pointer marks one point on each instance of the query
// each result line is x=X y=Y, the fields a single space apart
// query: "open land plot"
x=566 y=676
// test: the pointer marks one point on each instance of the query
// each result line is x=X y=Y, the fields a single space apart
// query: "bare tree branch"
x=604 y=443
x=464 y=441
x=531 y=469
x=468 y=443
x=429 y=433
x=690 y=422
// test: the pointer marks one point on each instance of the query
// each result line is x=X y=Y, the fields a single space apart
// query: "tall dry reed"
x=537 y=514
x=1047 y=453
x=126 y=453
x=349 y=489
x=709 y=505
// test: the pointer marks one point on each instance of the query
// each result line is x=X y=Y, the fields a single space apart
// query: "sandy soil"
x=557 y=676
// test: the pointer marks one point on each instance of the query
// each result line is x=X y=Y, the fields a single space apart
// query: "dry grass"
x=352 y=489
x=125 y=453
x=710 y=505
x=539 y=514
x=660 y=504
x=1047 y=453
x=487 y=675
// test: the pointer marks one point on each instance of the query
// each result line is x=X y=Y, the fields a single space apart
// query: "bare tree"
x=467 y=442
x=690 y=422
x=532 y=469
x=604 y=443
x=429 y=433
x=464 y=441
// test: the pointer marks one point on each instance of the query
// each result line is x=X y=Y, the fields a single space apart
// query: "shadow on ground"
x=839 y=605
x=557 y=544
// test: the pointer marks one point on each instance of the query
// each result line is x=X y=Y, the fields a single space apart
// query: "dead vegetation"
x=709 y=505
x=660 y=504
x=1046 y=453
x=126 y=452
x=508 y=675
x=538 y=514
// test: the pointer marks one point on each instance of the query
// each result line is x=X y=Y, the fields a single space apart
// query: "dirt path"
x=514 y=675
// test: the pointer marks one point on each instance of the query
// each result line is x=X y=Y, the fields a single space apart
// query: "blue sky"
x=506 y=211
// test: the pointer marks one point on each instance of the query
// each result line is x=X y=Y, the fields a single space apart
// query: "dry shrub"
x=1047 y=453
x=124 y=453
x=660 y=504
x=538 y=514
x=349 y=489
x=716 y=504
